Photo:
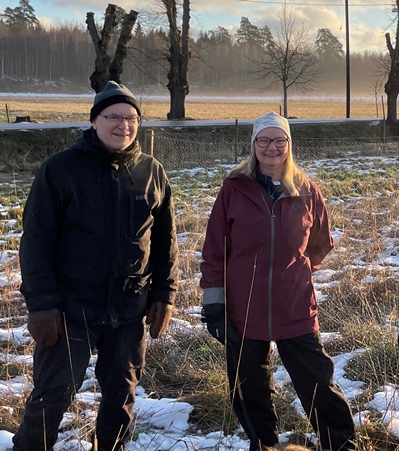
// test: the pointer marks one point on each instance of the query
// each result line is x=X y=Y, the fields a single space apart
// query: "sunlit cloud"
x=47 y=22
x=362 y=38
x=367 y=23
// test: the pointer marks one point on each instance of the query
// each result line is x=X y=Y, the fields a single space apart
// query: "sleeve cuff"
x=214 y=295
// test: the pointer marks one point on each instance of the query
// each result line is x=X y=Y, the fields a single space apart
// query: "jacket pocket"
x=134 y=303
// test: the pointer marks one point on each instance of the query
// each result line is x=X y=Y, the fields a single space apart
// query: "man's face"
x=114 y=134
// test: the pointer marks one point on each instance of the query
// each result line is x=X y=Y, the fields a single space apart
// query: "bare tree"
x=380 y=64
x=109 y=60
x=392 y=85
x=289 y=58
x=178 y=58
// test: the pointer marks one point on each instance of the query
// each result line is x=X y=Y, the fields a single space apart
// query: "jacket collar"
x=251 y=188
x=90 y=144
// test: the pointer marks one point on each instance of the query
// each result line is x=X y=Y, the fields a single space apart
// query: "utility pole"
x=348 y=72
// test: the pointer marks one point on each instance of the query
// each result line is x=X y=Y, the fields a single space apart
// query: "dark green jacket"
x=99 y=237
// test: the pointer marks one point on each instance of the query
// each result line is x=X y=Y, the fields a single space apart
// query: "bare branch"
x=125 y=37
x=289 y=60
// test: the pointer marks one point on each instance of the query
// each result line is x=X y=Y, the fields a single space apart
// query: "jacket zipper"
x=270 y=278
x=116 y=259
x=272 y=250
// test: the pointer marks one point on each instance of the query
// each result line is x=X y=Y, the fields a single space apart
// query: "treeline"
x=219 y=60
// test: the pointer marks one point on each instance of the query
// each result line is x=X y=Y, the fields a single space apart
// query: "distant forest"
x=64 y=55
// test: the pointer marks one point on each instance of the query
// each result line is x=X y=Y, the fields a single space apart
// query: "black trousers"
x=311 y=371
x=59 y=371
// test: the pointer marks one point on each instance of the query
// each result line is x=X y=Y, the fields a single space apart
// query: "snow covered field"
x=164 y=424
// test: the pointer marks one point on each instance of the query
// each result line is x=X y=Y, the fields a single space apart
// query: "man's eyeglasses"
x=116 y=119
x=265 y=142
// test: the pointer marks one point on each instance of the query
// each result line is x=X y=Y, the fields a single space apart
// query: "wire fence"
x=188 y=150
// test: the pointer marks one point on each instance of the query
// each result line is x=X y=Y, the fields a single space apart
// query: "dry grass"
x=77 y=109
x=362 y=306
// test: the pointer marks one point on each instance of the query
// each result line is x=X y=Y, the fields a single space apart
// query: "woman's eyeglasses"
x=265 y=142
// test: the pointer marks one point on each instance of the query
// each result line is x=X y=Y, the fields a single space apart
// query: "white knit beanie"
x=271 y=119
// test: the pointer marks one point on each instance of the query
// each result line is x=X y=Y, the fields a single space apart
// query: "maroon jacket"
x=270 y=252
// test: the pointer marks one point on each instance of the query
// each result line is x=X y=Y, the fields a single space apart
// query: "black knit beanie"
x=111 y=94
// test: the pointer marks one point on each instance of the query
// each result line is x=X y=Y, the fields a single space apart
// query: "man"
x=98 y=254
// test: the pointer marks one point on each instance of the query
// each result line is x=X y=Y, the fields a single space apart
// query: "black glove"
x=214 y=317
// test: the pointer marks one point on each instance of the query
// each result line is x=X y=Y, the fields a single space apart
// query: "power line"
x=314 y=4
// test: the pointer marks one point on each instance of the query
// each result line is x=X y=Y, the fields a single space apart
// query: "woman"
x=268 y=231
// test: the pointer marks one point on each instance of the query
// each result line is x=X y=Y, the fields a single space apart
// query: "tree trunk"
x=109 y=66
x=392 y=85
x=392 y=98
x=101 y=75
x=285 y=99
x=178 y=59
x=121 y=50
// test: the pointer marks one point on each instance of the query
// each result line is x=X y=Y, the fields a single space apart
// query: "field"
x=77 y=108
x=357 y=289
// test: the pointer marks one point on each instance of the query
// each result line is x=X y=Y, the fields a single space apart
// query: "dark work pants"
x=311 y=371
x=59 y=371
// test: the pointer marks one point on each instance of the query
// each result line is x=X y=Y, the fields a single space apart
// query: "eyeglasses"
x=265 y=142
x=116 y=119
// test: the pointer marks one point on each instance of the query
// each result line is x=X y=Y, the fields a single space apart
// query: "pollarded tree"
x=22 y=16
x=110 y=58
x=392 y=85
x=174 y=48
x=289 y=60
x=178 y=58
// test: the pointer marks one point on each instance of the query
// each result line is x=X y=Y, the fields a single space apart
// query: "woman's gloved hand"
x=214 y=317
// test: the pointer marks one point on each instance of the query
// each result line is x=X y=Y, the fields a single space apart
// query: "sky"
x=164 y=424
x=368 y=20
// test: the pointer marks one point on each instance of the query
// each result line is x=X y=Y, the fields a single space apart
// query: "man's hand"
x=45 y=326
x=158 y=317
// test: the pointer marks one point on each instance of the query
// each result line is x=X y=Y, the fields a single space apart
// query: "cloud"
x=229 y=7
x=362 y=38
x=209 y=14
x=96 y=5
x=46 y=22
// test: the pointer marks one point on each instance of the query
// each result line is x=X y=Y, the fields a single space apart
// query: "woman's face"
x=271 y=157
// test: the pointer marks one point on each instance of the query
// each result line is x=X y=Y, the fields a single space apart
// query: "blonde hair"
x=293 y=178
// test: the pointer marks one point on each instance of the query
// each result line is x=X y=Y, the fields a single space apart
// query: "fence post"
x=149 y=142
